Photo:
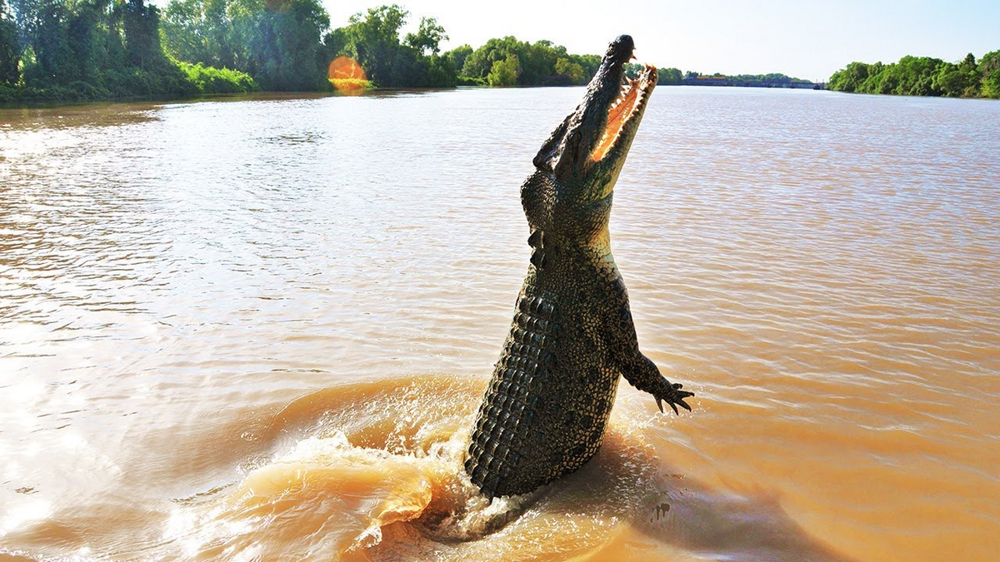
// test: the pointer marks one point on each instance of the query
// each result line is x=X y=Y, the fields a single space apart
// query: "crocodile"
x=547 y=406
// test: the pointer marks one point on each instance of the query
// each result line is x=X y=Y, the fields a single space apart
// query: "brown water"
x=259 y=329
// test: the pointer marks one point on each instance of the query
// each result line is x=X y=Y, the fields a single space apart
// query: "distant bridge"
x=743 y=83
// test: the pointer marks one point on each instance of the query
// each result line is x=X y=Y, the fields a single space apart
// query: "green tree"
x=668 y=76
x=505 y=72
x=201 y=31
x=10 y=53
x=438 y=72
x=288 y=49
x=480 y=62
x=851 y=78
x=989 y=69
x=573 y=71
x=141 y=24
x=540 y=63
x=427 y=38
x=93 y=49
x=872 y=83
x=457 y=57
x=278 y=42
x=958 y=80
x=590 y=63
x=914 y=76
x=372 y=39
x=47 y=37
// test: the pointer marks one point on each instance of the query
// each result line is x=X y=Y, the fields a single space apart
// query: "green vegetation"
x=218 y=80
x=923 y=76
x=277 y=42
x=351 y=84
x=10 y=56
x=373 y=40
x=91 y=49
x=669 y=77
x=509 y=62
x=105 y=49
x=773 y=80
x=693 y=78
x=94 y=49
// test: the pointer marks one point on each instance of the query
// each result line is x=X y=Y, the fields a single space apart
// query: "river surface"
x=259 y=329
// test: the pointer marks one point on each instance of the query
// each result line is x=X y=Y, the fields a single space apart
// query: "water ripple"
x=822 y=270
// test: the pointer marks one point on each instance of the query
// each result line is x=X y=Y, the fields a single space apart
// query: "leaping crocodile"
x=547 y=406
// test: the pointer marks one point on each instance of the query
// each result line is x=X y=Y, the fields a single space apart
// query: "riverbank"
x=348 y=88
x=923 y=76
x=176 y=81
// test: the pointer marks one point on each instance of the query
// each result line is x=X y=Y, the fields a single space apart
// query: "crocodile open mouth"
x=593 y=141
x=631 y=98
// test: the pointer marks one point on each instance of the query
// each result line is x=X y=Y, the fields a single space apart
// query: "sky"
x=806 y=39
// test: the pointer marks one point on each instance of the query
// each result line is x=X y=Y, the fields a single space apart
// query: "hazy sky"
x=803 y=38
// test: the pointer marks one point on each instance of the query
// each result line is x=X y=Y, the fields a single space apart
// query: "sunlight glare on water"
x=259 y=328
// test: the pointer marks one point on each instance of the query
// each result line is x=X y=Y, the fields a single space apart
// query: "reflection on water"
x=260 y=328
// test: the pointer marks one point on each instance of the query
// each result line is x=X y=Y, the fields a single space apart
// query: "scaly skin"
x=547 y=406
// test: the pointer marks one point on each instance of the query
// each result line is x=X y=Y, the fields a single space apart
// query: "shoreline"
x=277 y=95
x=264 y=94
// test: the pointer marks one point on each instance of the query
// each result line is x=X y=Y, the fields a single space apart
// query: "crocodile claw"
x=674 y=397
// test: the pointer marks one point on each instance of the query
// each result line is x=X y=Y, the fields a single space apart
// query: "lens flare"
x=347 y=76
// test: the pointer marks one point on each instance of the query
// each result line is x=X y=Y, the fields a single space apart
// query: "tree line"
x=673 y=76
x=101 y=49
x=91 y=49
x=95 y=49
x=923 y=76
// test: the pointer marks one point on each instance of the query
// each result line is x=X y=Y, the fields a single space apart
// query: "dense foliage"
x=89 y=49
x=509 y=62
x=669 y=76
x=773 y=80
x=373 y=40
x=218 y=80
x=923 y=76
x=80 y=49
x=277 y=42
x=10 y=56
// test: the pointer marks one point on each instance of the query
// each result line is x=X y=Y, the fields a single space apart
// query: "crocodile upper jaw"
x=589 y=147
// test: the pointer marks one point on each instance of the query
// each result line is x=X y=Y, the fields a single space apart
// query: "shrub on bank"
x=179 y=81
x=351 y=84
x=210 y=80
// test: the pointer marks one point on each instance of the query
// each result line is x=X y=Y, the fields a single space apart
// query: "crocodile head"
x=576 y=169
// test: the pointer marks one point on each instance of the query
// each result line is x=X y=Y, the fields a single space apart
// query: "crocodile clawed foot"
x=673 y=394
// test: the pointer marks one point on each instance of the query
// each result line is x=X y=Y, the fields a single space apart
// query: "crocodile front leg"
x=638 y=370
x=642 y=373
